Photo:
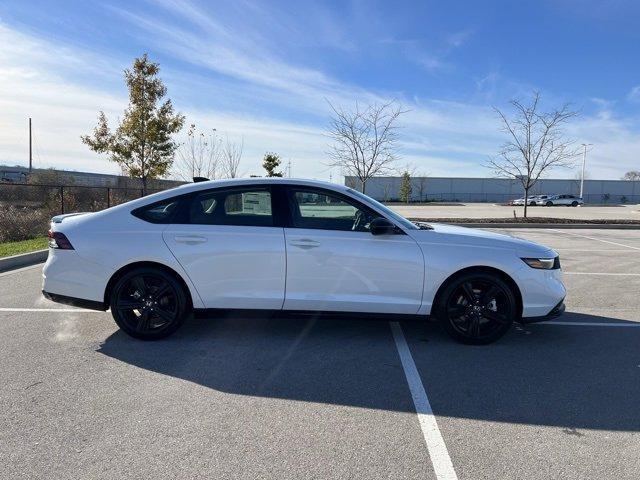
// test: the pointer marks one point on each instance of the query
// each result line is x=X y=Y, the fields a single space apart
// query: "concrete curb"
x=23 y=260
x=594 y=226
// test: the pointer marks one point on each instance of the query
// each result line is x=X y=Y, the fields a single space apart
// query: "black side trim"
x=217 y=312
x=75 y=302
x=555 y=312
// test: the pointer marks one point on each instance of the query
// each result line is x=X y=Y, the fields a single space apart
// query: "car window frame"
x=289 y=196
x=182 y=217
x=137 y=212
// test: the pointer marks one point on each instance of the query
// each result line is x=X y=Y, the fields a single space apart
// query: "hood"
x=472 y=237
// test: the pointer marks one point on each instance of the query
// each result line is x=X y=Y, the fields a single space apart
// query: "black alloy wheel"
x=549 y=204
x=148 y=303
x=574 y=204
x=477 y=308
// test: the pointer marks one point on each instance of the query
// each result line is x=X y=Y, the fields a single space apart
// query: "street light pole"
x=584 y=161
x=30 y=151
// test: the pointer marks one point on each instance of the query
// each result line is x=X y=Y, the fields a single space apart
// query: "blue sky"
x=263 y=72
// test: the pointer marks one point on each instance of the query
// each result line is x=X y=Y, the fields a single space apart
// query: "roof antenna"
x=200 y=179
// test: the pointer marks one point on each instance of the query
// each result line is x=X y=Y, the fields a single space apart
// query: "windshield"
x=384 y=209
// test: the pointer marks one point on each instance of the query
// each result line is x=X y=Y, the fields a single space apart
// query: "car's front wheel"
x=148 y=303
x=549 y=204
x=477 y=308
x=574 y=204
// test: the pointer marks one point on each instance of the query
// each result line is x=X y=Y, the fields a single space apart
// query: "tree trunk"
x=144 y=185
x=364 y=185
x=526 y=201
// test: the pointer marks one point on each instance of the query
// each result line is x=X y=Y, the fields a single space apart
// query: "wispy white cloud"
x=247 y=88
x=634 y=94
x=35 y=82
x=457 y=39
x=432 y=56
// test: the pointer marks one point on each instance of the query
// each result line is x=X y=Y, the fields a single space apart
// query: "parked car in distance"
x=567 y=200
x=531 y=201
x=297 y=245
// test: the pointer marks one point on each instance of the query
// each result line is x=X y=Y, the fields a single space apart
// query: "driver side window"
x=318 y=209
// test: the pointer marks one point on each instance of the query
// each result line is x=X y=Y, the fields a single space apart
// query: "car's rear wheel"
x=148 y=303
x=532 y=204
x=477 y=308
x=549 y=204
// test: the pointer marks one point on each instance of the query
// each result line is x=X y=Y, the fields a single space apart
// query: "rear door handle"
x=305 y=243
x=190 y=239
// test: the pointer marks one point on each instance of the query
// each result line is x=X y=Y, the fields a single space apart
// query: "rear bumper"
x=74 y=302
x=67 y=274
x=555 y=312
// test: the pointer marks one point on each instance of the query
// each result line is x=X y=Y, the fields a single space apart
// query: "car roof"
x=231 y=182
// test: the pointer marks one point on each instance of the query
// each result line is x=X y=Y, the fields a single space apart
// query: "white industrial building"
x=452 y=189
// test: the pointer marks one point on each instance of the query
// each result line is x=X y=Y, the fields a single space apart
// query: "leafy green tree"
x=270 y=162
x=142 y=143
x=405 y=188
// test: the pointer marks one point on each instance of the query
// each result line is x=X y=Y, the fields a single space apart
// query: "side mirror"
x=381 y=226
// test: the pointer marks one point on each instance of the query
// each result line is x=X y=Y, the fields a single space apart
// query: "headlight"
x=543 y=263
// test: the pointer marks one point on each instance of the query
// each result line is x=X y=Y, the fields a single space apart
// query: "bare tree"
x=364 y=140
x=536 y=143
x=231 y=157
x=350 y=182
x=386 y=192
x=422 y=185
x=199 y=156
x=633 y=175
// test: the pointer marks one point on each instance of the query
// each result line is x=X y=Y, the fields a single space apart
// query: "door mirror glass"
x=381 y=226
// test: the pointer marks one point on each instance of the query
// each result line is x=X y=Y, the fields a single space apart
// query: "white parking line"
x=589 y=250
x=435 y=443
x=57 y=310
x=596 y=239
x=591 y=324
x=603 y=273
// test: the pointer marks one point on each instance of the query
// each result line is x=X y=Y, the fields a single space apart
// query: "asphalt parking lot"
x=240 y=396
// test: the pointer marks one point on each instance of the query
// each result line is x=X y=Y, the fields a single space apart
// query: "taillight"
x=59 y=240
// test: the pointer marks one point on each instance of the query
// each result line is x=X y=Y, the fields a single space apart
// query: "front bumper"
x=555 y=312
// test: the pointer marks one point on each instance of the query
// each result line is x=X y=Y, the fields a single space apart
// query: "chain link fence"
x=26 y=209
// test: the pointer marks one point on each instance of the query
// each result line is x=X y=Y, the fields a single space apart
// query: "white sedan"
x=567 y=200
x=281 y=244
x=531 y=201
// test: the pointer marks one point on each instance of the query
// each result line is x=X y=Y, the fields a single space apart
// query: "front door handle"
x=305 y=243
x=190 y=239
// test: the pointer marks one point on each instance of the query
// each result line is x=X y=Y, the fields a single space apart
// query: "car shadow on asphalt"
x=574 y=377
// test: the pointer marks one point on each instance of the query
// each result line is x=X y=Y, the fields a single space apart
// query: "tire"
x=463 y=308
x=574 y=204
x=549 y=204
x=148 y=303
x=532 y=204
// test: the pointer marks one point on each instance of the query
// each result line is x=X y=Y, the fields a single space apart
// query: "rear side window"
x=159 y=212
x=250 y=207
